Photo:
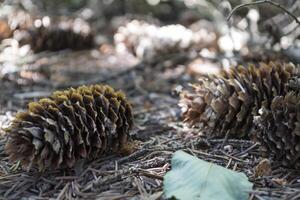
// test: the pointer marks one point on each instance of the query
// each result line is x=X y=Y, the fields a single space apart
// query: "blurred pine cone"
x=278 y=129
x=86 y=122
x=65 y=34
x=146 y=41
x=227 y=102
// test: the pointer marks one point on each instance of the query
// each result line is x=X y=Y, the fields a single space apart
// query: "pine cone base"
x=278 y=129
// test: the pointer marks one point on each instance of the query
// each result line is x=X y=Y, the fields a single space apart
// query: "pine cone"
x=73 y=34
x=226 y=103
x=86 y=122
x=278 y=129
x=146 y=41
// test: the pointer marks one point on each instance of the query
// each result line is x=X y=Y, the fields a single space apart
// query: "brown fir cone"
x=55 y=132
x=227 y=102
x=69 y=34
x=278 y=129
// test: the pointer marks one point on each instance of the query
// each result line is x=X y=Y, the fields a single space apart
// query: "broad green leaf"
x=195 y=179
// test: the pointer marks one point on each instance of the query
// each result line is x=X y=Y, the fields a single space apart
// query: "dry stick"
x=142 y=172
x=60 y=196
x=247 y=150
x=263 y=2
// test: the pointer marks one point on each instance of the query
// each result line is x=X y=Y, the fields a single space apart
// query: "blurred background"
x=156 y=44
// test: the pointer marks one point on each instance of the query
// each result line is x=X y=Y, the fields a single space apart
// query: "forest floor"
x=158 y=132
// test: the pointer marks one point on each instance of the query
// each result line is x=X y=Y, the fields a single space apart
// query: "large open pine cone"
x=226 y=103
x=66 y=34
x=278 y=129
x=86 y=122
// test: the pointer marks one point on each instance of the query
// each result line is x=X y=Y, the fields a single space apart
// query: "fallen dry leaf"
x=263 y=168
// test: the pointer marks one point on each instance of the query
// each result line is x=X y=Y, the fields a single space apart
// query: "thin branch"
x=263 y=2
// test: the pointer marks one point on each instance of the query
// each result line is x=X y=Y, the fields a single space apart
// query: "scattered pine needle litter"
x=152 y=86
x=159 y=133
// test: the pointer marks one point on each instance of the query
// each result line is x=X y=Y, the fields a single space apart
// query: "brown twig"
x=248 y=149
x=148 y=174
x=263 y=2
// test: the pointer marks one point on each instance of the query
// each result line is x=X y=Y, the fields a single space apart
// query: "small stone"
x=228 y=148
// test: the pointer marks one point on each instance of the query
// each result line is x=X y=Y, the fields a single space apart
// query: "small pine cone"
x=72 y=34
x=278 y=129
x=86 y=122
x=226 y=103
